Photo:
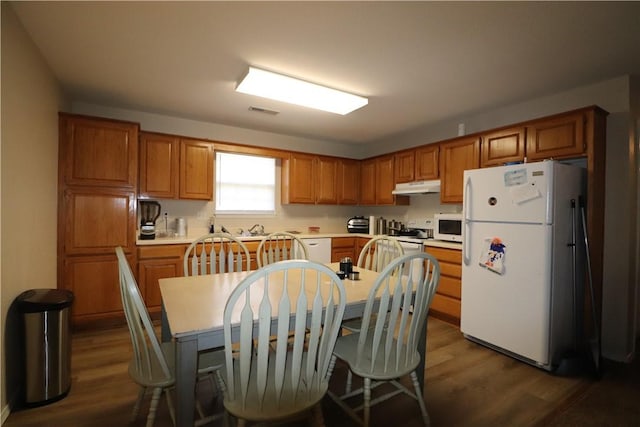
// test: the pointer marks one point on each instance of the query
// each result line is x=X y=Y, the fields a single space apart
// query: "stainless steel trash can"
x=47 y=344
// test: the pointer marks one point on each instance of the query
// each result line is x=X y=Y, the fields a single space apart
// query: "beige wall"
x=29 y=150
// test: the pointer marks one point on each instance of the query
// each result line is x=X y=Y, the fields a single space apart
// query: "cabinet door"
x=98 y=152
x=196 y=170
x=300 y=172
x=427 y=162
x=405 y=166
x=456 y=156
x=348 y=181
x=502 y=146
x=150 y=271
x=558 y=137
x=385 y=182
x=343 y=247
x=360 y=244
x=368 y=182
x=96 y=220
x=326 y=174
x=159 y=165
x=94 y=281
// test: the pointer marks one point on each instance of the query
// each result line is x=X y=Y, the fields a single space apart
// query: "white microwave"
x=448 y=227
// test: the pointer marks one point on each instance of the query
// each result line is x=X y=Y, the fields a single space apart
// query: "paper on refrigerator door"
x=492 y=255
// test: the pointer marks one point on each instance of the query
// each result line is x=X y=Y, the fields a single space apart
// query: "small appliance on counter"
x=394 y=228
x=149 y=213
x=358 y=224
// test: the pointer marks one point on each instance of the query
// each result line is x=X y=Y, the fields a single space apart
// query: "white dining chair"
x=152 y=365
x=375 y=256
x=379 y=252
x=280 y=246
x=216 y=253
x=262 y=382
x=387 y=350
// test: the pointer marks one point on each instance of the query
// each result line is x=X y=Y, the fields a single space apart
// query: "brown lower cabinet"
x=342 y=247
x=446 y=302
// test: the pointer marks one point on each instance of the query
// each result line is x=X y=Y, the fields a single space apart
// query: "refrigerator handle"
x=466 y=233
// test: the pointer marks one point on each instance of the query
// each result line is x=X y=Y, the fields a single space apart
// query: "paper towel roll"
x=372 y=225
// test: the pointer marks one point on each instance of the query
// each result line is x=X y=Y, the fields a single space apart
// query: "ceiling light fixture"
x=287 y=89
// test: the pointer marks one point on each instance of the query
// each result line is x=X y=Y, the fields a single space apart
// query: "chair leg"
x=172 y=412
x=318 y=417
x=153 y=406
x=420 y=399
x=367 y=401
x=136 y=407
x=347 y=387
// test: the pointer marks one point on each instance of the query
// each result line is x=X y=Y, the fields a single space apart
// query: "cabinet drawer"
x=343 y=242
x=449 y=286
x=161 y=251
x=451 y=270
x=445 y=255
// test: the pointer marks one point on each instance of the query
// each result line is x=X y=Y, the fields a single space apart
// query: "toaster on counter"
x=358 y=224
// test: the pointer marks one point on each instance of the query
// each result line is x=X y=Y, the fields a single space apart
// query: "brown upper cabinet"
x=173 y=167
x=561 y=136
x=427 y=164
x=502 y=146
x=310 y=179
x=196 y=169
x=405 y=164
x=159 y=165
x=456 y=156
x=98 y=152
x=326 y=180
x=377 y=182
x=348 y=181
x=417 y=164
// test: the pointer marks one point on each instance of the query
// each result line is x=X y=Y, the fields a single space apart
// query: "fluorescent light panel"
x=287 y=89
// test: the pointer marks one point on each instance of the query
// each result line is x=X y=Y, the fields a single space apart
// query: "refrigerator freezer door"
x=515 y=193
x=506 y=288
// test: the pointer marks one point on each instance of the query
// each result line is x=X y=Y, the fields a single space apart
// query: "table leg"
x=165 y=331
x=186 y=371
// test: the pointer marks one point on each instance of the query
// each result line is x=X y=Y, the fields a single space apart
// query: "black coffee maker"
x=149 y=213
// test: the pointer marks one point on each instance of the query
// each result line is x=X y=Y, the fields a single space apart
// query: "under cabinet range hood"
x=417 y=187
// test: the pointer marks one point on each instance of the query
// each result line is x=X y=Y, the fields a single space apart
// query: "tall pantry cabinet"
x=97 y=181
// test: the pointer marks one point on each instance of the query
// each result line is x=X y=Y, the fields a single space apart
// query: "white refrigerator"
x=521 y=257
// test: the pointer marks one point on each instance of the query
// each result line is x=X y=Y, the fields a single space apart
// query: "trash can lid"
x=39 y=300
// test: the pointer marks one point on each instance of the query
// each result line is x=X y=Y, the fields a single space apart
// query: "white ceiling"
x=418 y=62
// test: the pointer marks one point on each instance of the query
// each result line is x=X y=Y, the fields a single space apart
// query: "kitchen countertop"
x=189 y=239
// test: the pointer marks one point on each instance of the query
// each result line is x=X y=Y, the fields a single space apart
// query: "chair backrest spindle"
x=379 y=252
x=281 y=246
x=216 y=253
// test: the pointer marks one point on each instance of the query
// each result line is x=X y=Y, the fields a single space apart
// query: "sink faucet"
x=252 y=229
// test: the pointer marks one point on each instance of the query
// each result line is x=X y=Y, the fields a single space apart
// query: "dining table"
x=193 y=313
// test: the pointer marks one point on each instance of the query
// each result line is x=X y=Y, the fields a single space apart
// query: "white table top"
x=196 y=304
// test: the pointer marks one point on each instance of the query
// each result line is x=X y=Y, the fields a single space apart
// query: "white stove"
x=424 y=228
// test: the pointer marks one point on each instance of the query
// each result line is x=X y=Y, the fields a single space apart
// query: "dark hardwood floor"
x=466 y=385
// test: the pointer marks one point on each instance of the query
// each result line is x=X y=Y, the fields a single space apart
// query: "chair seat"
x=346 y=349
x=294 y=399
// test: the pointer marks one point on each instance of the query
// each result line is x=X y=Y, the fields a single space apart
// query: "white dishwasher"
x=319 y=249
